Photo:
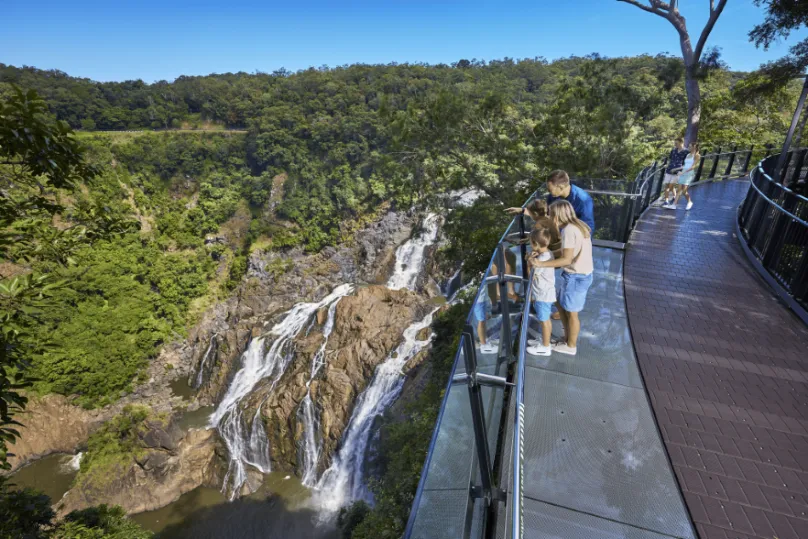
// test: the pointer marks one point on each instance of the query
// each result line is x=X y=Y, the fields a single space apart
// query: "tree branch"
x=655 y=8
x=714 y=14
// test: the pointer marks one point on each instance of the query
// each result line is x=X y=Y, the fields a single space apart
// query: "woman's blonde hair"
x=565 y=215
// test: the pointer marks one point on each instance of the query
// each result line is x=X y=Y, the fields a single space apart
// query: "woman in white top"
x=686 y=178
x=576 y=277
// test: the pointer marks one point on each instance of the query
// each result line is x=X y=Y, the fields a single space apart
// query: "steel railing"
x=493 y=490
x=773 y=223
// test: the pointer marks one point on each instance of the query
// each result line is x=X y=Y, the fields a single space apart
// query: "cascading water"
x=201 y=373
x=410 y=256
x=343 y=481
x=312 y=445
x=251 y=446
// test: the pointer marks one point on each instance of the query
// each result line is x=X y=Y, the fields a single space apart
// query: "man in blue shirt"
x=559 y=186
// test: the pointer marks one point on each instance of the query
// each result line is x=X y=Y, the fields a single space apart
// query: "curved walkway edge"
x=726 y=368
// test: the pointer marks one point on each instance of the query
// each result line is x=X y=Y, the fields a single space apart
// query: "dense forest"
x=136 y=233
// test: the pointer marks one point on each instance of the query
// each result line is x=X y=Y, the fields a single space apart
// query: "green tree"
x=695 y=58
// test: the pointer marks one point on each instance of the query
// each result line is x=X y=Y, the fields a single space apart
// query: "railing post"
x=477 y=417
x=768 y=150
x=799 y=284
x=506 y=347
x=782 y=165
x=523 y=245
x=782 y=171
x=747 y=160
x=715 y=164
x=797 y=168
x=728 y=171
x=658 y=188
x=698 y=170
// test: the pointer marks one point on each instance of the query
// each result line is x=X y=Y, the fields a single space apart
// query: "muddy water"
x=181 y=388
x=51 y=475
x=278 y=509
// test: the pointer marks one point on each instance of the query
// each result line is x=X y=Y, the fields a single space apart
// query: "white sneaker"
x=488 y=348
x=563 y=348
x=689 y=205
x=539 y=350
x=669 y=207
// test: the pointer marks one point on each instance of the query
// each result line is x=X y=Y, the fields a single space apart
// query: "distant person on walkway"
x=686 y=178
x=543 y=292
x=576 y=277
x=676 y=163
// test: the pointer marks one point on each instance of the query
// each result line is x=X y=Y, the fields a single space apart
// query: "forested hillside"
x=163 y=226
x=322 y=150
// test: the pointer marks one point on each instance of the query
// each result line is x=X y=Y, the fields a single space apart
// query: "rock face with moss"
x=367 y=327
x=142 y=461
x=273 y=284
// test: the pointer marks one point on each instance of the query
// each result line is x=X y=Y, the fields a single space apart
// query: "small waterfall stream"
x=312 y=444
x=410 y=256
x=343 y=481
x=257 y=364
x=201 y=373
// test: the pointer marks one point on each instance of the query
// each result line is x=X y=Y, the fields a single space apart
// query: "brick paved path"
x=726 y=367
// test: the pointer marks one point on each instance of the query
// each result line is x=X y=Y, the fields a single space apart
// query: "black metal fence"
x=773 y=221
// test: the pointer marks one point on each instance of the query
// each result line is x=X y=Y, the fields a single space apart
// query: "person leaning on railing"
x=538 y=210
x=578 y=265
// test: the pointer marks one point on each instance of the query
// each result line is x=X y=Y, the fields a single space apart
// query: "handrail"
x=516 y=498
x=777 y=206
x=775 y=237
x=622 y=208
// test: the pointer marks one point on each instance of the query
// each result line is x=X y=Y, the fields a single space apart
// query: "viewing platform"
x=726 y=366
x=684 y=413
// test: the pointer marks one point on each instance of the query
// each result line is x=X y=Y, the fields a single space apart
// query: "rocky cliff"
x=168 y=464
x=367 y=327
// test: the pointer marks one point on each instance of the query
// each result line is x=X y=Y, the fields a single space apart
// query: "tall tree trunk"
x=693 y=105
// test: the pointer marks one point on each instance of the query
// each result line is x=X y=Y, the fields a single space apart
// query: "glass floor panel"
x=592 y=450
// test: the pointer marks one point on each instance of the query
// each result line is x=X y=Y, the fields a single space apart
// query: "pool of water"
x=51 y=475
x=196 y=419
x=278 y=509
x=181 y=388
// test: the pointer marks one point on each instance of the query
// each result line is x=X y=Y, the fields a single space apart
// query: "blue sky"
x=154 y=40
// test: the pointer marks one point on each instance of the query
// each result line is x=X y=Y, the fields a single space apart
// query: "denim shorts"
x=542 y=309
x=481 y=310
x=572 y=293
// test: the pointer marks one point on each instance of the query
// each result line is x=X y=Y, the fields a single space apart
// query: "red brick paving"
x=726 y=366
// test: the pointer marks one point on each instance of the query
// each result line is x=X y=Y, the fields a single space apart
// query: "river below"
x=279 y=508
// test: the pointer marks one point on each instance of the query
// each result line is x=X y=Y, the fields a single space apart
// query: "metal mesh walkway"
x=594 y=463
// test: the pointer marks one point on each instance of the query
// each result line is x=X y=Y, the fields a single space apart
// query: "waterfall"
x=252 y=448
x=342 y=482
x=204 y=362
x=410 y=256
x=73 y=464
x=307 y=413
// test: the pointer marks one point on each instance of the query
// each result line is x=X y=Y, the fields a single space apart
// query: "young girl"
x=576 y=259
x=686 y=178
x=543 y=289
x=538 y=211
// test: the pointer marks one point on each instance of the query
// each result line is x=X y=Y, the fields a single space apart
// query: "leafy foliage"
x=112 y=447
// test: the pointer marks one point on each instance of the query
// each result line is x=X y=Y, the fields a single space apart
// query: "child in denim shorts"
x=543 y=289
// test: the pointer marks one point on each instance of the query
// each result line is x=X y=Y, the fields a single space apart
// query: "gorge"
x=303 y=395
